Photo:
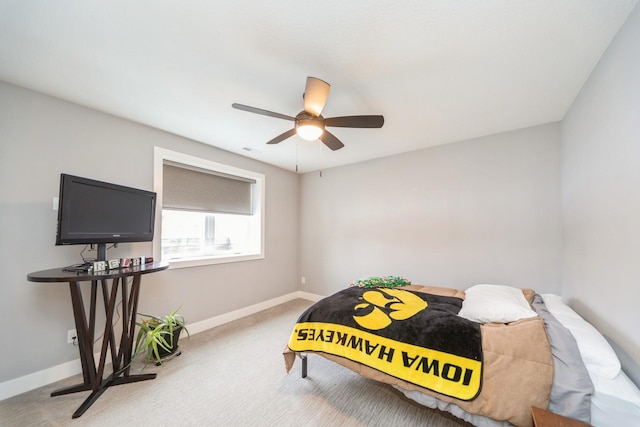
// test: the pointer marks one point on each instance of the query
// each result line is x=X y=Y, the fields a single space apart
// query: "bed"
x=486 y=355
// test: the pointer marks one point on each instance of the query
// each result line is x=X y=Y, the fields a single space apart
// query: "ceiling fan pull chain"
x=321 y=158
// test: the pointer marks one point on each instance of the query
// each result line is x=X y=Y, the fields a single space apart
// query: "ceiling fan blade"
x=330 y=140
x=316 y=93
x=283 y=136
x=263 y=112
x=355 y=121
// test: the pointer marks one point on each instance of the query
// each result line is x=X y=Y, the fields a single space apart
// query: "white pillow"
x=596 y=352
x=495 y=304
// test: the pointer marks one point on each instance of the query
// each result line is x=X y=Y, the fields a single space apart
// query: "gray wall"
x=40 y=137
x=480 y=211
x=601 y=196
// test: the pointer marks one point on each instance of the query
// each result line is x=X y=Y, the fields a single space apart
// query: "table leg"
x=121 y=360
x=85 y=342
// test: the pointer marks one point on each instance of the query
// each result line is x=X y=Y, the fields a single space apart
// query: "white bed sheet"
x=616 y=402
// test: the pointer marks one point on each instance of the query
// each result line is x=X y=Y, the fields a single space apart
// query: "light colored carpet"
x=232 y=375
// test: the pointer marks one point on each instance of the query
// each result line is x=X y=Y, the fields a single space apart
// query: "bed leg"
x=304 y=366
x=303 y=357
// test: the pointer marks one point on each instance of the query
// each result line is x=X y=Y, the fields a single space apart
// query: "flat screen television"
x=96 y=212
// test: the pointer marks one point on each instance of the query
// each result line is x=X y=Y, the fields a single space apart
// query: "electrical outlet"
x=303 y=280
x=72 y=336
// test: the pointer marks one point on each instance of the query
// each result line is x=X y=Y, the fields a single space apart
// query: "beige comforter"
x=518 y=368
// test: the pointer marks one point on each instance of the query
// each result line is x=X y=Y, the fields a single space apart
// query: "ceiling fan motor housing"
x=307 y=119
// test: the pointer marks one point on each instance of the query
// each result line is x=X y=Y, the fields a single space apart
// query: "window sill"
x=199 y=262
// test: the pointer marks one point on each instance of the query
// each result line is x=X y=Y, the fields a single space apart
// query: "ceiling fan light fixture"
x=310 y=132
x=309 y=127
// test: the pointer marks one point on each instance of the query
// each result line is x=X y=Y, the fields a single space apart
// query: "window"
x=209 y=212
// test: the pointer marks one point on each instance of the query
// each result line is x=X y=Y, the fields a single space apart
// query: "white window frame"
x=159 y=157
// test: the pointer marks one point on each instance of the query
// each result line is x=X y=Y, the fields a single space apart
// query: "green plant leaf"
x=157 y=332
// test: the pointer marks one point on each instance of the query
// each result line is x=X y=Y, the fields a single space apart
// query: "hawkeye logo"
x=400 y=305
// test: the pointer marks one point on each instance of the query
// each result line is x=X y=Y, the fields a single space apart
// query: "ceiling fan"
x=309 y=123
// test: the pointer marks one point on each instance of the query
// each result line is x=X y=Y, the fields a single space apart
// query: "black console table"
x=122 y=352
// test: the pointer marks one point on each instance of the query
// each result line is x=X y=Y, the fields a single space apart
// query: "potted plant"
x=158 y=336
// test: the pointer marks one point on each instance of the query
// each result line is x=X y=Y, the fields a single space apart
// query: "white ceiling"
x=438 y=70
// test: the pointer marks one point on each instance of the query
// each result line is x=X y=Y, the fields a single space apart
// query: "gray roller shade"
x=193 y=189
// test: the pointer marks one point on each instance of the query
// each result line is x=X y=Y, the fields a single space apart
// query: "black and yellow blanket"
x=414 y=336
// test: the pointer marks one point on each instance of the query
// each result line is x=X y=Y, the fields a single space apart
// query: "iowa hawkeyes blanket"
x=413 y=336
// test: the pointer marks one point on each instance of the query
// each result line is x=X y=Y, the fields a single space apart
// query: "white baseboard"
x=56 y=373
x=38 y=379
x=204 y=325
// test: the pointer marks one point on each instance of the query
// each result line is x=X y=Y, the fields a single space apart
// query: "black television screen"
x=96 y=212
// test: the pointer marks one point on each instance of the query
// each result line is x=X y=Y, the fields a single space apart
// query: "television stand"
x=93 y=374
